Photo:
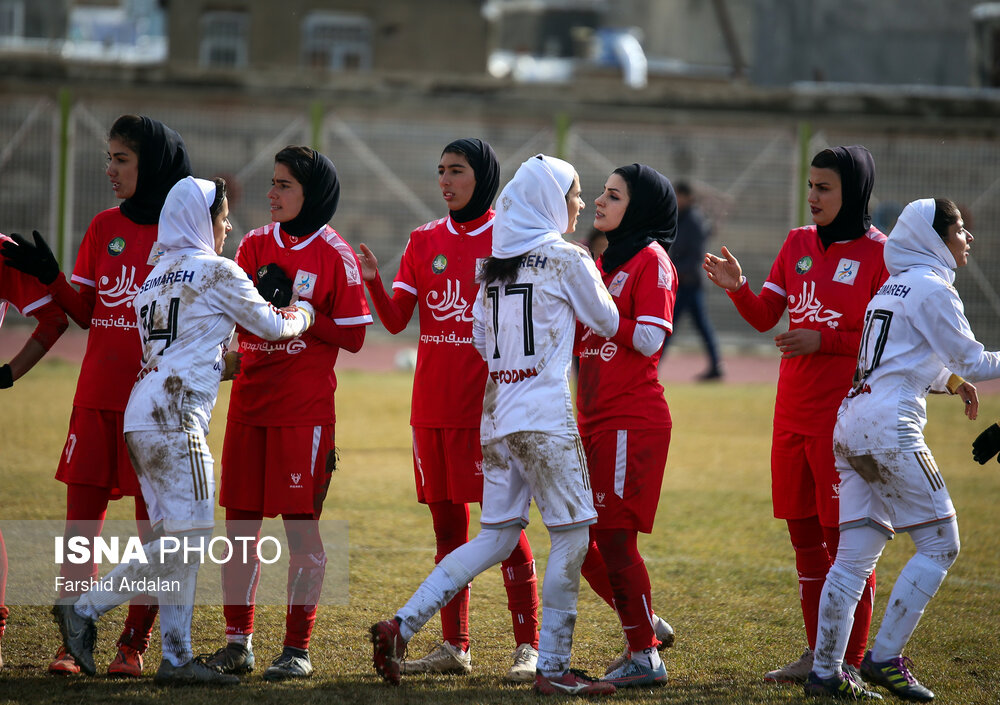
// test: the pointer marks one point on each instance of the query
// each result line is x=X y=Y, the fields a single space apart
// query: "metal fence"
x=747 y=175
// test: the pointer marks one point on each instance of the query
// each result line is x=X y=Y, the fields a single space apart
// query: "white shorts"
x=893 y=491
x=551 y=469
x=175 y=472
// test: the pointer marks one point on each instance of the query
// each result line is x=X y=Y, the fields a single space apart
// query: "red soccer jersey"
x=292 y=382
x=439 y=267
x=619 y=388
x=825 y=290
x=114 y=259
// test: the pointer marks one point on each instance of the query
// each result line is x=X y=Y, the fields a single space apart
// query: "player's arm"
x=239 y=298
x=52 y=323
x=36 y=260
x=479 y=324
x=647 y=332
x=590 y=300
x=762 y=312
x=396 y=312
x=350 y=338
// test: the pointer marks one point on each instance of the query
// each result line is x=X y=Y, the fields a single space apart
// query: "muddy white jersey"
x=916 y=334
x=187 y=310
x=524 y=331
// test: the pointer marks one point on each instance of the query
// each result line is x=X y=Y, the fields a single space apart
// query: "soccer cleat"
x=232 y=658
x=795 y=672
x=63 y=664
x=633 y=674
x=388 y=649
x=79 y=635
x=523 y=669
x=194 y=672
x=127 y=663
x=840 y=686
x=444 y=658
x=895 y=676
x=572 y=682
x=290 y=663
x=664 y=633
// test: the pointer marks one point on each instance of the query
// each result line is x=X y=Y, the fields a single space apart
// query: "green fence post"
x=62 y=186
x=563 y=125
x=801 y=189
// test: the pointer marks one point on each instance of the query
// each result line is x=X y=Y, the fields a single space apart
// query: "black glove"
x=36 y=260
x=986 y=445
x=274 y=285
x=6 y=377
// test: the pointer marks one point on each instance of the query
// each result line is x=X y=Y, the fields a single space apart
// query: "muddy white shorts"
x=895 y=490
x=550 y=468
x=175 y=472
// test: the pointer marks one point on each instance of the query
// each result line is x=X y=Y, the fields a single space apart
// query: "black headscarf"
x=484 y=164
x=321 y=195
x=857 y=179
x=163 y=161
x=651 y=216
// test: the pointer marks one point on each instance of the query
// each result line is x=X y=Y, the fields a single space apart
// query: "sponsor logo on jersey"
x=116 y=246
x=618 y=283
x=155 y=252
x=304 y=284
x=121 y=291
x=836 y=490
x=804 y=265
x=600 y=499
x=605 y=352
x=295 y=346
x=806 y=307
x=439 y=264
x=512 y=376
x=847 y=271
x=295 y=478
x=449 y=304
x=479 y=468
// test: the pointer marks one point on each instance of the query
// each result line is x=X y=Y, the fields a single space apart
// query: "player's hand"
x=801 y=341
x=971 y=399
x=274 y=285
x=34 y=259
x=723 y=271
x=303 y=306
x=6 y=377
x=987 y=444
x=369 y=263
x=233 y=365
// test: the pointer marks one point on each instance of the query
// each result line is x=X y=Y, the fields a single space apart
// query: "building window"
x=11 y=18
x=224 y=39
x=337 y=41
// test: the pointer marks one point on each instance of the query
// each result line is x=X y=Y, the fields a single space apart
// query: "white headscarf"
x=531 y=209
x=914 y=242
x=185 y=221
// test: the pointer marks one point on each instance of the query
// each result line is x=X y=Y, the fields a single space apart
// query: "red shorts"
x=448 y=465
x=277 y=469
x=95 y=453
x=804 y=479
x=626 y=473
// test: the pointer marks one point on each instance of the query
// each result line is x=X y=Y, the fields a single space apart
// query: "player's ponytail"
x=500 y=270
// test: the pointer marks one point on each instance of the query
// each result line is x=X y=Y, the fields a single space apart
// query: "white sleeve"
x=240 y=299
x=586 y=293
x=647 y=338
x=479 y=324
x=951 y=338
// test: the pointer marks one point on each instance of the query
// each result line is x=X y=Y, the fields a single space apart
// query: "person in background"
x=437 y=276
x=824 y=276
x=687 y=253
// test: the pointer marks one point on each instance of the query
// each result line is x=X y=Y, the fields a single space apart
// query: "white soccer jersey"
x=187 y=310
x=525 y=333
x=916 y=334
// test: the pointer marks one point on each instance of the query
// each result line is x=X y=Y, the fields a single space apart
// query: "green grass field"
x=722 y=568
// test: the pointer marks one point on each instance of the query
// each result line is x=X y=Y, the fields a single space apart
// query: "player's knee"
x=939 y=544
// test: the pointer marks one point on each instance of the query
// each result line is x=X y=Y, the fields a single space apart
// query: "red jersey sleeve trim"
x=36 y=304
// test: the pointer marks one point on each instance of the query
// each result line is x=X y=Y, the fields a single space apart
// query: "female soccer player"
x=145 y=159
x=623 y=416
x=187 y=311
x=824 y=275
x=437 y=275
x=533 y=287
x=31 y=299
x=916 y=339
x=279 y=453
